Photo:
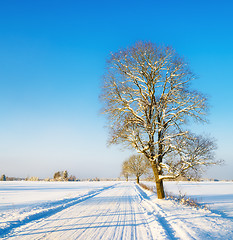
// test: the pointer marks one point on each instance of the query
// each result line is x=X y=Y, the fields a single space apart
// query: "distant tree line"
x=58 y=176
x=5 y=178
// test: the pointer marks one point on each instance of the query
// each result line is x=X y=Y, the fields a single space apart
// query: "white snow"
x=106 y=210
x=21 y=202
x=217 y=196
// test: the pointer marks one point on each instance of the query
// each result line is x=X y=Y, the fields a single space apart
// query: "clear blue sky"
x=52 y=57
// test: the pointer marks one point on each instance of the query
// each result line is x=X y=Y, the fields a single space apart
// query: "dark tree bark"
x=137 y=179
x=159 y=182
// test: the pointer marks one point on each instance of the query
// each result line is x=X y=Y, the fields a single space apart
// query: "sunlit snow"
x=111 y=210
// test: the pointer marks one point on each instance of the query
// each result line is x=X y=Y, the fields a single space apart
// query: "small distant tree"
x=65 y=175
x=138 y=165
x=125 y=171
x=72 y=178
x=3 y=177
x=32 y=179
x=57 y=176
x=61 y=176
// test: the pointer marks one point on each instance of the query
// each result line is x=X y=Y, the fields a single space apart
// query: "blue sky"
x=52 y=57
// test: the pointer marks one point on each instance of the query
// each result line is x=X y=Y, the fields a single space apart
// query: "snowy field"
x=217 y=196
x=112 y=210
x=21 y=201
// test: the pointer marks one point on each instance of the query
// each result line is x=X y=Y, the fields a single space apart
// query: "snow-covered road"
x=125 y=211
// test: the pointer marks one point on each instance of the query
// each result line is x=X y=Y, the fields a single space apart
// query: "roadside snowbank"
x=217 y=196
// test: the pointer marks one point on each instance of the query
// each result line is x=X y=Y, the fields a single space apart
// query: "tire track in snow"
x=179 y=227
x=110 y=214
x=113 y=214
x=63 y=204
x=153 y=218
x=173 y=230
x=114 y=220
x=121 y=212
x=98 y=214
x=145 y=221
x=98 y=210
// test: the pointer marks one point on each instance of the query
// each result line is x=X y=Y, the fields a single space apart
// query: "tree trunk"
x=159 y=182
x=137 y=179
x=160 y=189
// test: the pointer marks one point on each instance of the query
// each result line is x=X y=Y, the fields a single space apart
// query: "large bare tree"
x=148 y=99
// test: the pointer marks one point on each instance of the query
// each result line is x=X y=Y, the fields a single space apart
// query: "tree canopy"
x=148 y=99
x=136 y=165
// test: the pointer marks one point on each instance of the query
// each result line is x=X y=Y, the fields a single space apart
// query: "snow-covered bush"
x=32 y=179
x=3 y=177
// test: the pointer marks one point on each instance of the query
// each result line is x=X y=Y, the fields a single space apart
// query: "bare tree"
x=191 y=155
x=3 y=177
x=125 y=171
x=61 y=176
x=65 y=175
x=72 y=178
x=147 y=97
x=57 y=176
x=137 y=165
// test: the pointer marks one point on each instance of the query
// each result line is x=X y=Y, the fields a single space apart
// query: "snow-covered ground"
x=102 y=210
x=22 y=202
x=217 y=196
